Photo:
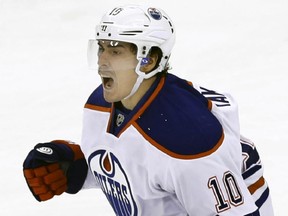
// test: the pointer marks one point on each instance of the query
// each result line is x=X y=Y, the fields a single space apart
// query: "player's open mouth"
x=107 y=82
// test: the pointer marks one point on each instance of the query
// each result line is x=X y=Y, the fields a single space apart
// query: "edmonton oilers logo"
x=155 y=13
x=113 y=181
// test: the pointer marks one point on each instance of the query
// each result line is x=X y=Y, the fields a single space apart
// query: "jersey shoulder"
x=179 y=121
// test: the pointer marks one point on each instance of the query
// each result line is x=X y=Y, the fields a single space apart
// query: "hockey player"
x=154 y=143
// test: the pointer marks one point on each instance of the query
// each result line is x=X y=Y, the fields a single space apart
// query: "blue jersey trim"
x=179 y=119
x=97 y=98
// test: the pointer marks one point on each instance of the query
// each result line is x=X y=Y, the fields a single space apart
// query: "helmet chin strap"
x=141 y=77
x=135 y=87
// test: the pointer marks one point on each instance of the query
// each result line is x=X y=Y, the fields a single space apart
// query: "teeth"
x=105 y=76
x=107 y=81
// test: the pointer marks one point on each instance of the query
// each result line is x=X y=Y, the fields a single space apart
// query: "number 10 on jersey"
x=231 y=195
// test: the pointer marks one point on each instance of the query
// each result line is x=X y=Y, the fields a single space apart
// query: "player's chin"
x=110 y=96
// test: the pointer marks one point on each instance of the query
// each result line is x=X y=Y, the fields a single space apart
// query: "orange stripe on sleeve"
x=259 y=183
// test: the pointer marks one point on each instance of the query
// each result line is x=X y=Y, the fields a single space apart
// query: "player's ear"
x=148 y=63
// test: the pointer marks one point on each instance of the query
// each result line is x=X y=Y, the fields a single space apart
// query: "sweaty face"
x=116 y=67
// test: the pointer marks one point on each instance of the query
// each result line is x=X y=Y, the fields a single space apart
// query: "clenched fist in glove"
x=53 y=168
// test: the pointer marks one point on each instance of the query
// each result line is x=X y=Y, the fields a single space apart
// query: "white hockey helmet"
x=144 y=26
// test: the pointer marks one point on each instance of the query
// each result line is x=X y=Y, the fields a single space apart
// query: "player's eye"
x=115 y=52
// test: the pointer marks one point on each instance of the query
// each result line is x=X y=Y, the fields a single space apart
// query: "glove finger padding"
x=46 y=181
x=53 y=168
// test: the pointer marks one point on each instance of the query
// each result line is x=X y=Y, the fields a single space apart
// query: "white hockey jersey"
x=178 y=152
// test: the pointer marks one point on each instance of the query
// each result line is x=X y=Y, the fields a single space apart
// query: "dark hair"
x=156 y=51
x=153 y=51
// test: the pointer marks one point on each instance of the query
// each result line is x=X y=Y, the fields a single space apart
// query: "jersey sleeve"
x=253 y=175
x=225 y=108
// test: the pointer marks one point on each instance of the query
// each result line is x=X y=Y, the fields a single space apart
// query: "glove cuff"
x=77 y=171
